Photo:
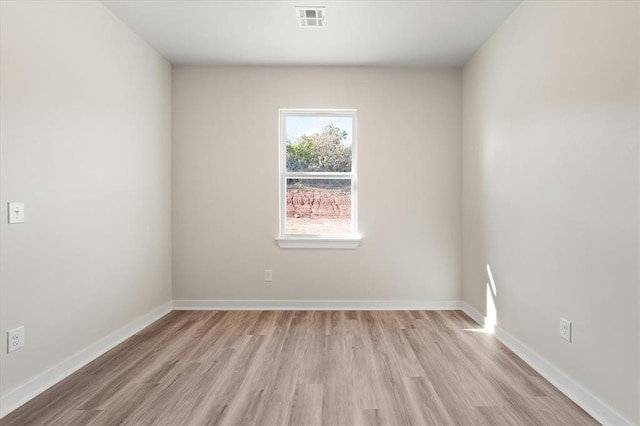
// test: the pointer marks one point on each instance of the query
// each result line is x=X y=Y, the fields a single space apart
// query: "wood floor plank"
x=369 y=417
x=306 y=407
x=76 y=418
x=305 y=368
x=253 y=396
x=425 y=401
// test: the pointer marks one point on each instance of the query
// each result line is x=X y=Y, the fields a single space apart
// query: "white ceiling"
x=266 y=32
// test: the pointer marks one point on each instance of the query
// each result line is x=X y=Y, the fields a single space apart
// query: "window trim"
x=347 y=241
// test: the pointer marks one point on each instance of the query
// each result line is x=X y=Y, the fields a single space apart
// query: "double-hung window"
x=318 y=179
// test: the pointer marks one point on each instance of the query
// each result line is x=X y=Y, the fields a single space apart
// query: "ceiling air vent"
x=311 y=17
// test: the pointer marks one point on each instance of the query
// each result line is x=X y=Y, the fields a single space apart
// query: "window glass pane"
x=318 y=206
x=318 y=143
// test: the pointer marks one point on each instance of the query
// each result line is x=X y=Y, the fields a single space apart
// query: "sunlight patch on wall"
x=492 y=313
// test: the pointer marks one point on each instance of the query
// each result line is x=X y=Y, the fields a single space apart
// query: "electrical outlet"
x=268 y=275
x=15 y=339
x=565 y=329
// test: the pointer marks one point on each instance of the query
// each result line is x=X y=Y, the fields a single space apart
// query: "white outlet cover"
x=16 y=212
x=565 y=329
x=15 y=339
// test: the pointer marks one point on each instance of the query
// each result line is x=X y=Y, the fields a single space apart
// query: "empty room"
x=332 y=212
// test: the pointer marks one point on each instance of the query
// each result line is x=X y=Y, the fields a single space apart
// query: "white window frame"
x=349 y=241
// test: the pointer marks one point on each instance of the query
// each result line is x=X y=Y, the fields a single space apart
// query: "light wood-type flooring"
x=305 y=368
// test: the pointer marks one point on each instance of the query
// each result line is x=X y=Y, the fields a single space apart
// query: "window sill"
x=318 y=242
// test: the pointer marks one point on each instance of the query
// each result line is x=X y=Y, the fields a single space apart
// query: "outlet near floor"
x=565 y=329
x=268 y=275
x=15 y=339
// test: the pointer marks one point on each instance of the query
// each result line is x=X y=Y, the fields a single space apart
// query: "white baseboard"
x=597 y=409
x=38 y=384
x=317 y=305
x=474 y=314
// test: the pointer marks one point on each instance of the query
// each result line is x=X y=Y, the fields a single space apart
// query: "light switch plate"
x=16 y=212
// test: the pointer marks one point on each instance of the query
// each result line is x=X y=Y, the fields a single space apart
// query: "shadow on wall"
x=491 y=317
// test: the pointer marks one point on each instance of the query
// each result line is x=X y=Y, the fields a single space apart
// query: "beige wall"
x=551 y=187
x=225 y=184
x=85 y=143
